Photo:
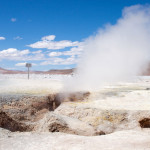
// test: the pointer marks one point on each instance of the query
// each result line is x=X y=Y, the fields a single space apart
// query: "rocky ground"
x=112 y=118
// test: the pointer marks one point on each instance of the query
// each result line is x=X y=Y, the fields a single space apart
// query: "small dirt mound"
x=77 y=96
x=54 y=100
x=145 y=123
x=7 y=122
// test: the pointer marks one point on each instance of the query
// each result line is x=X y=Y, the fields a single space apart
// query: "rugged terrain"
x=43 y=117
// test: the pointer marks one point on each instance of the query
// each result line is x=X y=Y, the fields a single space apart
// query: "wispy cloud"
x=23 y=64
x=37 y=52
x=49 y=37
x=60 y=61
x=17 y=38
x=2 y=38
x=63 y=57
x=54 y=54
x=13 y=19
x=15 y=54
x=74 y=51
x=49 y=43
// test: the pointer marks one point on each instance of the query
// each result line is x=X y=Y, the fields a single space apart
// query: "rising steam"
x=117 y=52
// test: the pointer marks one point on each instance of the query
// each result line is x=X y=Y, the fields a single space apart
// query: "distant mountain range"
x=54 y=71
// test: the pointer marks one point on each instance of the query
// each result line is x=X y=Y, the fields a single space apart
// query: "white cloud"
x=36 y=56
x=13 y=19
x=74 y=51
x=14 y=54
x=2 y=38
x=24 y=64
x=74 y=54
x=26 y=55
x=60 y=61
x=54 y=54
x=47 y=42
x=49 y=37
x=37 y=52
x=21 y=64
x=17 y=38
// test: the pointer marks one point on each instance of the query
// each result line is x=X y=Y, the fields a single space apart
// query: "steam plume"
x=117 y=52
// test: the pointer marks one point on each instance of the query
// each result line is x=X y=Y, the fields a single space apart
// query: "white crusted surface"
x=123 y=140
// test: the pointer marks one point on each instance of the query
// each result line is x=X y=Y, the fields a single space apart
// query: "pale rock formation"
x=52 y=122
x=112 y=110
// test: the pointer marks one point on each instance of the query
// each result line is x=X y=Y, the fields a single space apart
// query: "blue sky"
x=50 y=33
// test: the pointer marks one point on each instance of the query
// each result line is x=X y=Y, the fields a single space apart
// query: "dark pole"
x=28 y=65
x=28 y=73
